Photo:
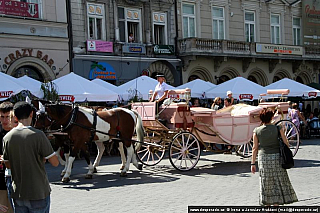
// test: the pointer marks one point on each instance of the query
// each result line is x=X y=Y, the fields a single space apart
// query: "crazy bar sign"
x=312 y=94
x=66 y=98
x=6 y=94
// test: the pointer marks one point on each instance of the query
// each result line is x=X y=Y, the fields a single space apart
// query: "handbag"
x=286 y=157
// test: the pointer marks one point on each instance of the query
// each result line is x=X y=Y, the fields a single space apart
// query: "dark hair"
x=294 y=106
x=266 y=115
x=228 y=100
x=22 y=110
x=6 y=107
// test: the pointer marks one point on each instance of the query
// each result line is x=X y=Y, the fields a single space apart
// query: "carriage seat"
x=147 y=110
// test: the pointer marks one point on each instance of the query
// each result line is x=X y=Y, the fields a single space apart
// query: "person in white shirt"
x=160 y=91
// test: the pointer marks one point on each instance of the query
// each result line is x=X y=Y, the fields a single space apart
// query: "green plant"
x=49 y=91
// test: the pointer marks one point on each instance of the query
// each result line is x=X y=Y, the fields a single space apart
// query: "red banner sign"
x=66 y=98
x=5 y=94
x=16 y=8
x=245 y=96
x=312 y=94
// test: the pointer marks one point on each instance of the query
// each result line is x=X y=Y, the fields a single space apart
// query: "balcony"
x=227 y=48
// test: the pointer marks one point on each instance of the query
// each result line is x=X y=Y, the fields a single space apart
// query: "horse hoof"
x=62 y=174
x=140 y=166
x=123 y=174
x=95 y=170
x=65 y=180
x=122 y=167
x=88 y=176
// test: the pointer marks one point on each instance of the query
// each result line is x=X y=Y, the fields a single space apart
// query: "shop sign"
x=102 y=70
x=279 y=49
x=312 y=94
x=5 y=94
x=12 y=57
x=69 y=98
x=245 y=96
x=17 y=8
x=311 y=22
x=163 y=49
x=134 y=48
x=99 y=46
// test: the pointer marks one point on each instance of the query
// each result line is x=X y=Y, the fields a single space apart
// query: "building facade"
x=119 y=40
x=34 y=38
x=262 y=41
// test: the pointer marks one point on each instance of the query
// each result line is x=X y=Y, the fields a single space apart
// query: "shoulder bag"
x=286 y=157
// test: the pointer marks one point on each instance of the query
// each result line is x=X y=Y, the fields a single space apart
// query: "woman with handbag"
x=275 y=185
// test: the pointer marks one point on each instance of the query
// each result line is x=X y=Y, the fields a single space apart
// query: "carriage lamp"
x=150 y=94
x=188 y=95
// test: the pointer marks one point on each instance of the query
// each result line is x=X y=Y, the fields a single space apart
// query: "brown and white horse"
x=82 y=126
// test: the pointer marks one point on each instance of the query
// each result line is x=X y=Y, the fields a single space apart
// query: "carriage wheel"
x=150 y=155
x=184 y=151
x=292 y=134
x=245 y=150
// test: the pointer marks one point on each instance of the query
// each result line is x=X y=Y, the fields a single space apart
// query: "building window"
x=96 y=20
x=249 y=24
x=129 y=25
x=218 y=22
x=189 y=20
x=275 y=29
x=296 y=26
x=159 y=28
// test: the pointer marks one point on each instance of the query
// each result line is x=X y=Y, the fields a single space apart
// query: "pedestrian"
x=7 y=123
x=25 y=150
x=275 y=185
x=296 y=117
x=196 y=103
x=216 y=104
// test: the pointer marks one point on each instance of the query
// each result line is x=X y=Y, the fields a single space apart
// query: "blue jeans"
x=9 y=189
x=32 y=206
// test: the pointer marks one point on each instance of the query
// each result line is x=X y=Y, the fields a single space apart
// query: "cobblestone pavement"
x=217 y=180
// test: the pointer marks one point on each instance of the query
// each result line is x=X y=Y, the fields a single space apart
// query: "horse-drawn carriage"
x=185 y=131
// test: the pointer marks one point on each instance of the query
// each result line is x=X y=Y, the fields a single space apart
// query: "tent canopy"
x=198 y=87
x=105 y=84
x=8 y=86
x=241 y=88
x=32 y=85
x=296 y=89
x=79 y=89
x=138 y=87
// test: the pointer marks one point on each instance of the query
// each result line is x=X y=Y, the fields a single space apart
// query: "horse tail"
x=139 y=130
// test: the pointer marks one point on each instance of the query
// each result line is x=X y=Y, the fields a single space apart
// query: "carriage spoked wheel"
x=292 y=134
x=150 y=155
x=184 y=151
x=245 y=150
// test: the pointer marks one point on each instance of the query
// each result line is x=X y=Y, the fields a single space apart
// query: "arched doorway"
x=304 y=78
x=280 y=74
x=258 y=76
x=200 y=73
x=163 y=68
x=227 y=74
x=30 y=71
x=299 y=79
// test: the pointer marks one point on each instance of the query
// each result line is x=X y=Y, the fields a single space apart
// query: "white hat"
x=229 y=92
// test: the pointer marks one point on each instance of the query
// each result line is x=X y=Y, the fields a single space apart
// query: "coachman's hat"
x=159 y=75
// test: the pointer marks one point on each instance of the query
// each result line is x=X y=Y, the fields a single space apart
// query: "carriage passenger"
x=216 y=104
x=160 y=91
x=227 y=102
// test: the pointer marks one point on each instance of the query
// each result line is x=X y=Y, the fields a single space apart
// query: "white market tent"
x=105 y=84
x=8 y=86
x=198 y=87
x=81 y=89
x=32 y=85
x=139 y=86
x=296 y=89
x=241 y=88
